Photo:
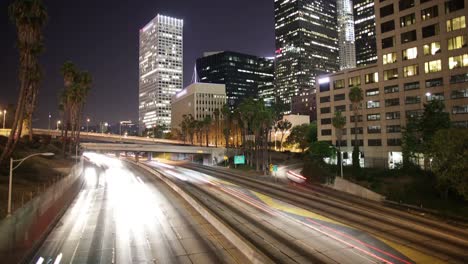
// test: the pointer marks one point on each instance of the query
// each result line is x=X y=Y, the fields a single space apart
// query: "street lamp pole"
x=48 y=128
x=10 y=183
x=87 y=125
x=58 y=124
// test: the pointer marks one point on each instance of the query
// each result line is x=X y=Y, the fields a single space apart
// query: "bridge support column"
x=117 y=154
x=137 y=157
x=149 y=156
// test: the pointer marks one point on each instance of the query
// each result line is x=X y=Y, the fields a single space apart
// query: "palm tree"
x=283 y=126
x=69 y=73
x=216 y=114
x=339 y=121
x=29 y=17
x=207 y=121
x=356 y=96
x=227 y=119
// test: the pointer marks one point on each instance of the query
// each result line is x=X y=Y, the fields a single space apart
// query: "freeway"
x=123 y=215
x=281 y=231
x=424 y=240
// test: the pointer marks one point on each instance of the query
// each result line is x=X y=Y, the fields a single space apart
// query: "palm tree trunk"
x=18 y=120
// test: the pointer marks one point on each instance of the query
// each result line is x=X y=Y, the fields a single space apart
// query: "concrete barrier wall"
x=22 y=231
x=245 y=247
x=352 y=188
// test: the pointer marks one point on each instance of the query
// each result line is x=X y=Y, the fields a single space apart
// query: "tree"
x=356 y=96
x=216 y=114
x=283 y=126
x=29 y=17
x=300 y=136
x=320 y=150
x=449 y=150
x=207 y=122
x=77 y=86
x=338 y=122
x=227 y=125
x=418 y=133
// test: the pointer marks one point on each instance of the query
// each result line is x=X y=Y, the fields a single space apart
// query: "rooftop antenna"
x=195 y=78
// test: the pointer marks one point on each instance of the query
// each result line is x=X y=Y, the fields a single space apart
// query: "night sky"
x=101 y=36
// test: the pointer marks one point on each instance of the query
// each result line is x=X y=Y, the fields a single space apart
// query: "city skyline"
x=114 y=36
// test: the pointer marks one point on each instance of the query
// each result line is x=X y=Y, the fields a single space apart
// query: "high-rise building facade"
x=364 y=31
x=161 y=70
x=422 y=49
x=306 y=45
x=346 y=34
x=244 y=75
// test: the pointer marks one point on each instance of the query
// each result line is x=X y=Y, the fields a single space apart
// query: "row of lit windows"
x=428 y=31
x=356 y=81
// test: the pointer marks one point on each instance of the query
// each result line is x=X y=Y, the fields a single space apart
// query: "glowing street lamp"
x=46 y=154
x=48 y=127
x=87 y=124
x=58 y=124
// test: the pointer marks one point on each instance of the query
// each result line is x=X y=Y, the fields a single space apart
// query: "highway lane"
x=123 y=215
x=282 y=231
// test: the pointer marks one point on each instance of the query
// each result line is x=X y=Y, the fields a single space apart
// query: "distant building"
x=422 y=55
x=364 y=31
x=161 y=70
x=346 y=34
x=306 y=45
x=198 y=100
x=244 y=75
x=305 y=104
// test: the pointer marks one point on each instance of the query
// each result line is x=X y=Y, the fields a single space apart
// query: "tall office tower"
x=422 y=49
x=346 y=34
x=364 y=31
x=306 y=45
x=244 y=75
x=161 y=70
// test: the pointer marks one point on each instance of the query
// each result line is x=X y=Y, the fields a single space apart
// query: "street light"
x=48 y=128
x=87 y=124
x=46 y=154
x=58 y=124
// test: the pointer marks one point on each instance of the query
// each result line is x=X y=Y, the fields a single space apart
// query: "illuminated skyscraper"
x=244 y=75
x=346 y=34
x=364 y=29
x=161 y=70
x=306 y=45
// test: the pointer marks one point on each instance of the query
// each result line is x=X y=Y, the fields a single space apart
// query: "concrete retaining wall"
x=352 y=188
x=245 y=247
x=22 y=231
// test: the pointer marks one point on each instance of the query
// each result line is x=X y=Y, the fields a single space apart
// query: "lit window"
x=431 y=48
x=456 y=23
x=407 y=20
x=354 y=81
x=372 y=77
x=411 y=70
x=429 y=13
x=456 y=42
x=389 y=58
x=433 y=66
x=390 y=74
x=373 y=104
x=411 y=53
x=458 y=61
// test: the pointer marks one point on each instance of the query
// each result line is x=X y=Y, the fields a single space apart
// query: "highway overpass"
x=111 y=137
x=210 y=155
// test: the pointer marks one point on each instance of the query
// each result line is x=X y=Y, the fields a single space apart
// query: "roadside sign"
x=239 y=159
x=275 y=168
